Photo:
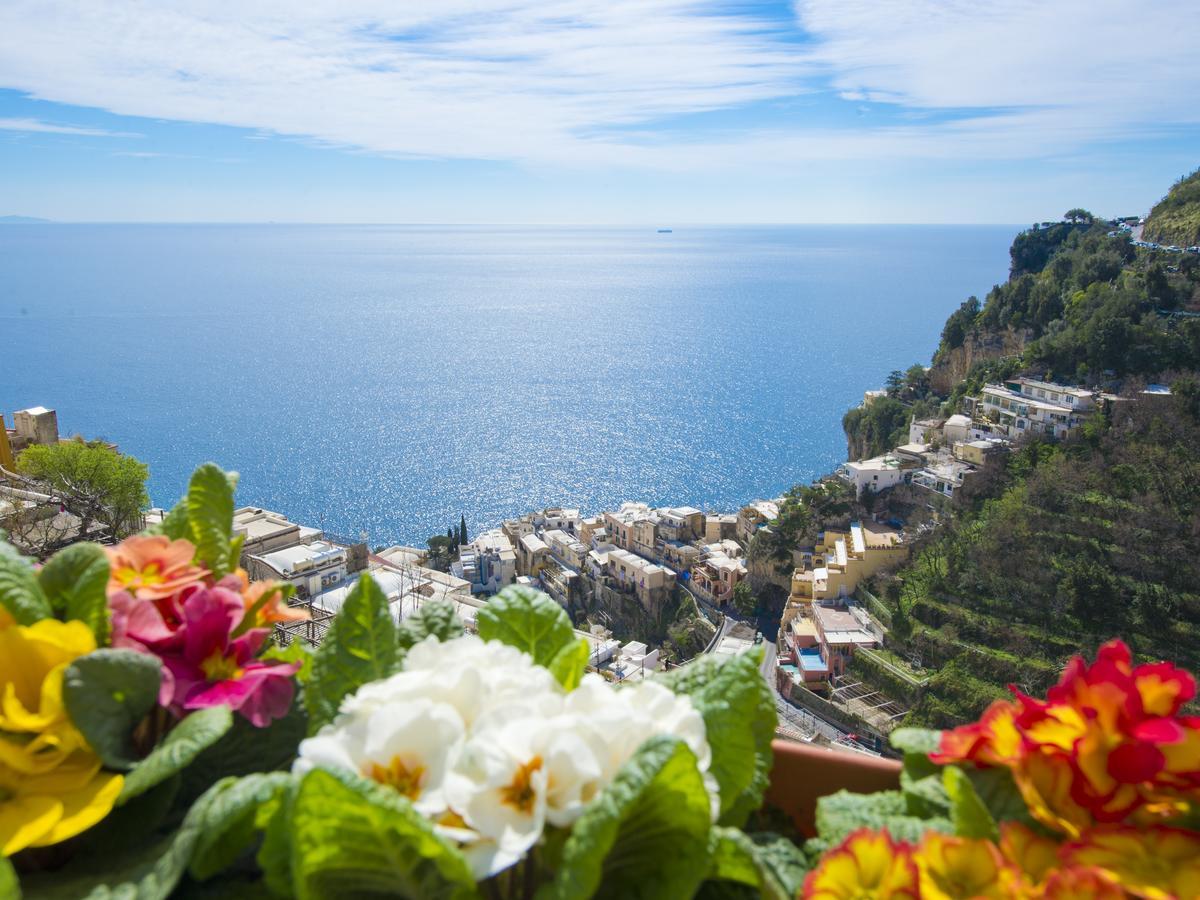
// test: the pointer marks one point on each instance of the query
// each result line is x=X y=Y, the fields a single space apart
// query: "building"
x=878 y=473
x=754 y=516
x=718 y=572
x=532 y=554
x=488 y=563
x=680 y=523
x=407 y=589
x=720 y=527
x=1027 y=406
x=310 y=568
x=835 y=567
x=36 y=425
x=924 y=431
x=956 y=428
x=631 y=662
x=403 y=556
x=820 y=640
x=558 y=518
x=566 y=548
x=589 y=527
x=267 y=531
x=618 y=525
x=651 y=582
x=678 y=555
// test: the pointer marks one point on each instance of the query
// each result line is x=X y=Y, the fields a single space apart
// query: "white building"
x=488 y=563
x=266 y=531
x=1024 y=411
x=566 y=548
x=311 y=568
x=876 y=474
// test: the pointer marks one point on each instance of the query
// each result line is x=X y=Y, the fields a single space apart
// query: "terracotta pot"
x=803 y=773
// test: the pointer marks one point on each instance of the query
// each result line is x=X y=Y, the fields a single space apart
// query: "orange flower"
x=955 y=867
x=866 y=864
x=153 y=567
x=1157 y=863
x=266 y=602
x=1106 y=745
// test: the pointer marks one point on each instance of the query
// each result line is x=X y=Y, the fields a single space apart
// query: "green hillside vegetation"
x=1176 y=218
x=1072 y=543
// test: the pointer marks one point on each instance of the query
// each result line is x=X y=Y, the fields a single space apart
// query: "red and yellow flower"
x=1157 y=863
x=867 y=864
x=1106 y=745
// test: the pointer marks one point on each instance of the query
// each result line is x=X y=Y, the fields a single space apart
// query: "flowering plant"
x=154 y=741
x=1092 y=792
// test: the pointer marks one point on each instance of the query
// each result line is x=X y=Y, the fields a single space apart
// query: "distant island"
x=24 y=220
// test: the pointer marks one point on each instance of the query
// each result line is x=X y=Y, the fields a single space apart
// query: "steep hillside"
x=1176 y=218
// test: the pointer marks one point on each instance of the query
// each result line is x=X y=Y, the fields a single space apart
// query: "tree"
x=103 y=490
x=743 y=598
x=462 y=530
x=895 y=382
x=1078 y=216
x=441 y=551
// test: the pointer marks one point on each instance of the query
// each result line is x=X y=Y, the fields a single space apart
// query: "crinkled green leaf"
x=274 y=855
x=915 y=740
x=1000 y=795
x=296 y=651
x=198 y=731
x=210 y=517
x=645 y=836
x=436 y=618
x=840 y=813
x=570 y=663
x=772 y=865
x=107 y=693
x=20 y=592
x=175 y=524
x=970 y=817
x=350 y=837
x=740 y=719
x=359 y=647
x=528 y=620
x=75 y=581
x=925 y=796
x=230 y=820
x=148 y=871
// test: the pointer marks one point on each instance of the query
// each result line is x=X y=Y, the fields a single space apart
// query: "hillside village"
x=846 y=582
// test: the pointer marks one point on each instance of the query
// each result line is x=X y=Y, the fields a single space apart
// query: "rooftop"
x=289 y=560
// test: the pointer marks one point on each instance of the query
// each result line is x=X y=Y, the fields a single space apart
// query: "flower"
x=867 y=864
x=1106 y=745
x=152 y=567
x=266 y=603
x=51 y=784
x=1158 y=863
x=408 y=748
x=209 y=667
x=1080 y=883
x=958 y=868
x=1033 y=855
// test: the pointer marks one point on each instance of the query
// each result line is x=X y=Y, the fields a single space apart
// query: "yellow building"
x=836 y=566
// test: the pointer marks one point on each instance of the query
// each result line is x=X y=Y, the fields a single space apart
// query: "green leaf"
x=20 y=592
x=435 y=618
x=645 y=835
x=199 y=730
x=107 y=693
x=175 y=524
x=916 y=740
x=528 y=620
x=230 y=821
x=10 y=885
x=351 y=837
x=210 y=517
x=148 y=871
x=970 y=817
x=75 y=581
x=774 y=866
x=570 y=663
x=843 y=812
x=1000 y=795
x=274 y=855
x=359 y=647
x=925 y=796
x=296 y=651
x=740 y=719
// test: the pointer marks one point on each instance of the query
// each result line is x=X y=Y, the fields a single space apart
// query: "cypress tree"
x=462 y=530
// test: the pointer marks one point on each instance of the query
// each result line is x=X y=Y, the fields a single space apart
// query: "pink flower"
x=210 y=668
x=152 y=567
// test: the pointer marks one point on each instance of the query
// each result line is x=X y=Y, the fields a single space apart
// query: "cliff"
x=1176 y=218
x=952 y=365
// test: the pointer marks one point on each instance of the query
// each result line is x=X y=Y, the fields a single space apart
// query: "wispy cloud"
x=570 y=82
x=39 y=127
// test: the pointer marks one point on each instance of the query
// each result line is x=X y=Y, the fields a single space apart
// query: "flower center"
x=519 y=792
x=399 y=776
x=128 y=575
x=219 y=667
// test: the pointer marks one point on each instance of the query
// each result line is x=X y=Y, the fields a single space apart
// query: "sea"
x=386 y=380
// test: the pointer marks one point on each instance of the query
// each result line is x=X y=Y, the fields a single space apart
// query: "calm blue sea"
x=387 y=379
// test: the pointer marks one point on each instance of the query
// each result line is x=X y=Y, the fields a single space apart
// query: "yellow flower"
x=51 y=784
x=956 y=868
x=1158 y=863
x=867 y=864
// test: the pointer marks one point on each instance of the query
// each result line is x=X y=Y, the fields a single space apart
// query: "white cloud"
x=578 y=82
x=36 y=125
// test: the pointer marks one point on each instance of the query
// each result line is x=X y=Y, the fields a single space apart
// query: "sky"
x=594 y=111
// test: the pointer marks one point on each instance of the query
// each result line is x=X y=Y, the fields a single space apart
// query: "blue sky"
x=659 y=111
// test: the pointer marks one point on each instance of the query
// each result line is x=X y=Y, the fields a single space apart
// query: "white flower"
x=408 y=746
